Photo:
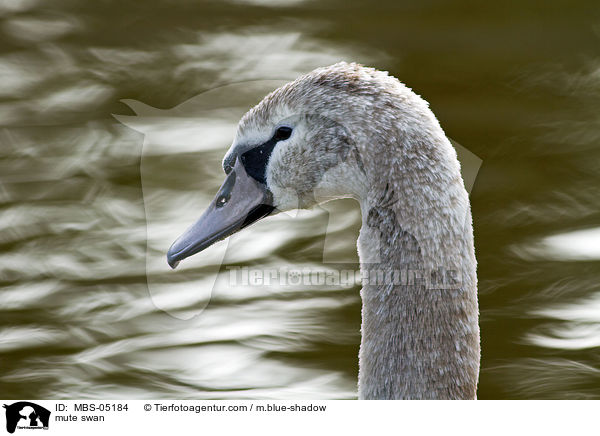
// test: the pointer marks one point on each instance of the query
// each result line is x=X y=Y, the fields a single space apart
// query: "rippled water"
x=90 y=202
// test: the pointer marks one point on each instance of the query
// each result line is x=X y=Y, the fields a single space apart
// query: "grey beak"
x=241 y=200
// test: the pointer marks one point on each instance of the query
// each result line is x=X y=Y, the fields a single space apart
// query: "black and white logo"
x=26 y=415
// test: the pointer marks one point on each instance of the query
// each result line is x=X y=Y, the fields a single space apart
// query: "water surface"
x=86 y=206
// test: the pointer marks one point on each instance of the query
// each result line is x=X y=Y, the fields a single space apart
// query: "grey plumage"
x=358 y=132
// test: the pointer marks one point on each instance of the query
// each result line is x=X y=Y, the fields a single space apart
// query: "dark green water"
x=88 y=307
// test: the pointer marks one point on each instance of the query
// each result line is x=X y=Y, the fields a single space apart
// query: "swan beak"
x=241 y=200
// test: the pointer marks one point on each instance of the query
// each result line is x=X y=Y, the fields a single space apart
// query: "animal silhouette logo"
x=197 y=130
x=382 y=217
x=26 y=415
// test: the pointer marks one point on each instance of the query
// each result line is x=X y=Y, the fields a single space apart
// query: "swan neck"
x=420 y=335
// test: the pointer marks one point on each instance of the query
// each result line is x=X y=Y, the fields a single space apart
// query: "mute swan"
x=351 y=131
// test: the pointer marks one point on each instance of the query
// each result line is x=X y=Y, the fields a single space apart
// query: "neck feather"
x=420 y=334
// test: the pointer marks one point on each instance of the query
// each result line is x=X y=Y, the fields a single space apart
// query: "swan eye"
x=282 y=133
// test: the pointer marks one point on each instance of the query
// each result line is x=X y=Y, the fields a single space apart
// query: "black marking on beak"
x=255 y=160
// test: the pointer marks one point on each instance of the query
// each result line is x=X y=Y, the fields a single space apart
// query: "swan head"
x=296 y=148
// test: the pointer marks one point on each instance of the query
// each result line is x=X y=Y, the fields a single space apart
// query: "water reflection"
x=573 y=246
x=76 y=317
x=35 y=29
